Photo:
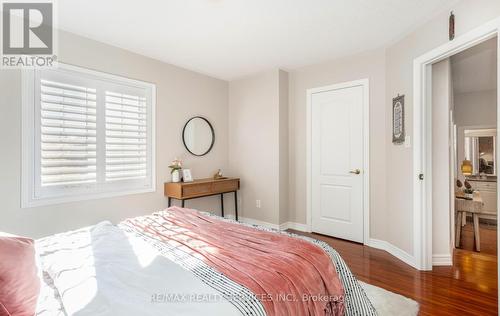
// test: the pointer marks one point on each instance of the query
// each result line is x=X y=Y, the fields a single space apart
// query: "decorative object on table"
x=398 y=119
x=468 y=191
x=186 y=175
x=458 y=188
x=218 y=175
x=466 y=167
x=452 y=26
x=175 y=170
x=198 y=136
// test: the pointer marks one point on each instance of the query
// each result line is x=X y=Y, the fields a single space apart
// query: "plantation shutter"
x=126 y=136
x=68 y=133
x=90 y=135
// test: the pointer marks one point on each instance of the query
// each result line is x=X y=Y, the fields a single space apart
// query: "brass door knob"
x=356 y=171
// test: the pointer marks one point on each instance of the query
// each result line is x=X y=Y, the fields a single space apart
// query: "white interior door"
x=337 y=162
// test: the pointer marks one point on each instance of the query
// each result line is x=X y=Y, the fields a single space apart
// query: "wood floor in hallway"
x=488 y=235
x=470 y=287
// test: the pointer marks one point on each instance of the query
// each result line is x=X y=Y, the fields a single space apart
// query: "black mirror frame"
x=211 y=130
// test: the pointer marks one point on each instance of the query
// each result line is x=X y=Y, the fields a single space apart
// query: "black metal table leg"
x=236 y=204
x=182 y=203
x=169 y=201
x=222 y=204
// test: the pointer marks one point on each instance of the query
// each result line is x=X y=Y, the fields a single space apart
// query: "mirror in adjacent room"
x=198 y=136
x=480 y=150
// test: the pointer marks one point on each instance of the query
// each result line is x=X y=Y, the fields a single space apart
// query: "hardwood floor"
x=488 y=233
x=468 y=288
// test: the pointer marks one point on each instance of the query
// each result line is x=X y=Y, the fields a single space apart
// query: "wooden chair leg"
x=458 y=229
x=477 y=238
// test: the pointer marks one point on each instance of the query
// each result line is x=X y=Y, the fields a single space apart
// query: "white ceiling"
x=475 y=69
x=232 y=38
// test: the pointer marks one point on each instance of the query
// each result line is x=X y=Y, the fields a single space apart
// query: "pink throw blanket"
x=289 y=275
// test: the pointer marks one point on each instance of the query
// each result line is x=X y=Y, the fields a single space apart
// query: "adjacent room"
x=464 y=181
x=474 y=80
x=217 y=157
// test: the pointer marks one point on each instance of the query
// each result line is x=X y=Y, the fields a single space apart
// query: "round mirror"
x=198 y=136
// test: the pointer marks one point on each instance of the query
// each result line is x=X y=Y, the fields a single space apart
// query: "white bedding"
x=101 y=270
x=118 y=270
x=49 y=302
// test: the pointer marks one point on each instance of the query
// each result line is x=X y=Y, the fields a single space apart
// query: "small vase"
x=176 y=176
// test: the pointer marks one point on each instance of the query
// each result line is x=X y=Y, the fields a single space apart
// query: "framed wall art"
x=398 y=119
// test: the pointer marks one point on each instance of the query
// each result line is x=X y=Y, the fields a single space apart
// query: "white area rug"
x=388 y=303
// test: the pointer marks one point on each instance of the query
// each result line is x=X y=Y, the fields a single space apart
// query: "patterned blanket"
x=290 y=276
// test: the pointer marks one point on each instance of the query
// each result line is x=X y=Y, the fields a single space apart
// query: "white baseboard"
x=288 y=225
x=393 y=250
x=257 y=222
x=375 y=243
x=295 y=226
x=442 y=260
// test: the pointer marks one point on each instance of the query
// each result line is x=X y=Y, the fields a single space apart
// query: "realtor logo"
x=27 y=34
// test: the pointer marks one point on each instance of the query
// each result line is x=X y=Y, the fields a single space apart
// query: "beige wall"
x=284 y=167
x=476 y=108
x=399 y=79
x=180 y=94
x=391 y=73
x=473 y=109
x=369 y=65
x=254 y=143
x=249 y=132
x=441 y=163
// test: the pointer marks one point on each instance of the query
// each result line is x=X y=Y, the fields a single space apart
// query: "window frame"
x=31 y=143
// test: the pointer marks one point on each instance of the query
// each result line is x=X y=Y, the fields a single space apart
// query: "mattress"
x=187 y=269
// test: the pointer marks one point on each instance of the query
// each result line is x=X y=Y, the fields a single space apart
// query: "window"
x=86 y=135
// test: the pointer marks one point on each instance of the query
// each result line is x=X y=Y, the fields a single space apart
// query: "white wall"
x=441 y=105
x=369 y=65
x=180 y=95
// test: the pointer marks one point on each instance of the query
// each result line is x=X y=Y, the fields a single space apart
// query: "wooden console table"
x=203 y=187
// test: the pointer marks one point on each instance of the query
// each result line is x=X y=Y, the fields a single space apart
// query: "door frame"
x=422 y=134
x=365 y=83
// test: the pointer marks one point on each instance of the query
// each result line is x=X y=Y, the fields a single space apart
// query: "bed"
x=185 y=262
